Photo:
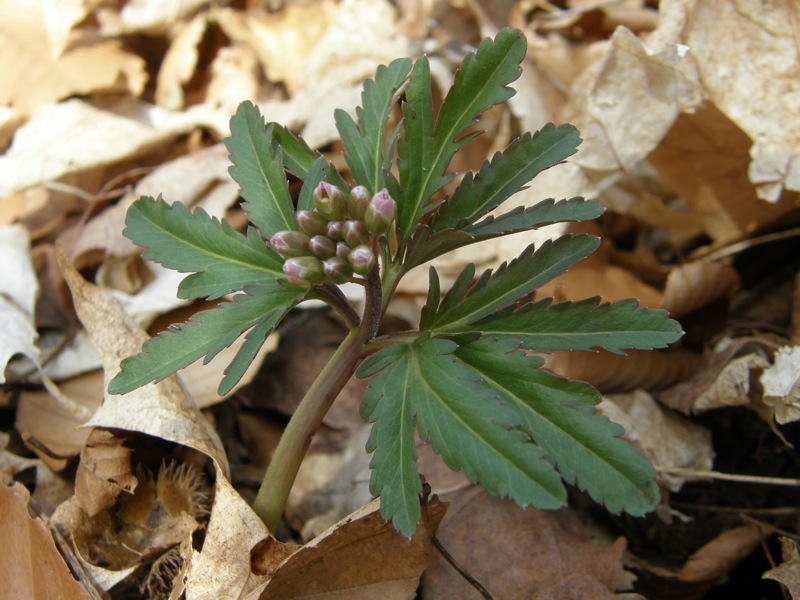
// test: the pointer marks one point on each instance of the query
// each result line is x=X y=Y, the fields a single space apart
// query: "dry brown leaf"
x=788 y=572
x=516 y=553
x=359 y=558
x=720 y=556
x=714 y=183
x=104 y=472
x=51 y=426
x=666 y=438
x=781 y=384
x=31 y=565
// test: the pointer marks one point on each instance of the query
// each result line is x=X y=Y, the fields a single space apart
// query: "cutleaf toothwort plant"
x=464 y=379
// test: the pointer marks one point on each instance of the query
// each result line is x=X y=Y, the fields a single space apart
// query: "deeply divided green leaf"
x=542 y=213
x=506 y=174
x=464 y=423
x=258 y=169
x=583 y=325
x=425 y=151
x=363 y=142
x=559 y=416
x=466 y=303
x=221 y=259
x=205 y=335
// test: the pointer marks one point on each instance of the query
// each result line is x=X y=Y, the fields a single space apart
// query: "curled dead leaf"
x=615 y=373
x=698 y=284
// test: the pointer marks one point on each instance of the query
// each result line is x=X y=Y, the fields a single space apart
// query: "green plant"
x=463 y=379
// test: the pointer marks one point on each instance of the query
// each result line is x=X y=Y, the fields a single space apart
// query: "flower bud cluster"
x=334 y=241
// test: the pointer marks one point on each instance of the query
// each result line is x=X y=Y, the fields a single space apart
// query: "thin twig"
x=728 y=476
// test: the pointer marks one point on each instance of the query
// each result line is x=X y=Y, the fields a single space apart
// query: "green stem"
x=294 y=442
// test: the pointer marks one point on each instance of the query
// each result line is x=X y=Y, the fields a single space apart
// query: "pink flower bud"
x=338 y=270
x=357 y=202
x=311 y=222
x=322 y=246
x=342 y=250
x=330 y=201
x=334 y=230
x=354 y=233
x=362 y=259
x=290 y=243
x=380 y=213
x=304 y=271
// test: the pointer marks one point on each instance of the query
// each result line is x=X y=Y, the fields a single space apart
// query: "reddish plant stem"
x=282 y=471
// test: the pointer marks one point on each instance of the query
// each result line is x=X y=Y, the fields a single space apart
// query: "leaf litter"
x=697 y=170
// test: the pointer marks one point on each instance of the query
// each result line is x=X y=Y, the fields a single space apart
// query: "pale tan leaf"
x=32 y=75
x=18 y=290
x=631 y=98
x=152 y=17
x=75 y=136
x=179 y=63
x=162 y=409
x=781 y=384
x=729 y=41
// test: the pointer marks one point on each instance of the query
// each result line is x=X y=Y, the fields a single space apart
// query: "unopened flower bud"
x=290 y=243
x=304 y=271
x=357 y=202
x=334 y=230
x=337 y=269
x=330 y=201
x=322 y=246
x=380 y=213
x=342 y=250
x=362 y=259
x=311 y=222
x=354 y=233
